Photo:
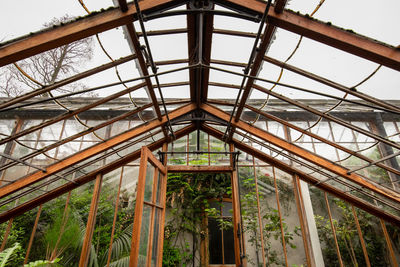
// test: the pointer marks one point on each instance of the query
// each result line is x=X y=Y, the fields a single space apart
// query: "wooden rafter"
x=306 y=155
x=143 y=67
x=54 y=193
x=306 y=177
x=342 y=39
x=91 y=151
x=88 y=26
x=66 y=81
x=258 y=60
x=199 y=77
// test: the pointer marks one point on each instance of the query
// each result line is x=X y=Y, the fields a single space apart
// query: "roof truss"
x=200 y=30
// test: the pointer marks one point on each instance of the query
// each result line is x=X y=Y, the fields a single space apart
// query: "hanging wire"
x=116 y=67
x=282 y=69
x=95 y=88
x=304 y=90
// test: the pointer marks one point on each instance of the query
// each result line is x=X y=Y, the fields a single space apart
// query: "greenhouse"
x=199 y=133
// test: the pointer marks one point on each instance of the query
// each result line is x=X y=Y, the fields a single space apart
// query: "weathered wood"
x=311 y=157
x=333 y=36
x=189 y=168
x=87 y=241
x=91 y=151
x=368 y=207
x=79 y=29
x=87 y=178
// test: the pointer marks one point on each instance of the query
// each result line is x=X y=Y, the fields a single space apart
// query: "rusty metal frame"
x=280 y=217
x=333 y=228
x=66 y=81
x=260 y=224
x=91 y=221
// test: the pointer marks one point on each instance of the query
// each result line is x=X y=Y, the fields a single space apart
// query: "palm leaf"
x=6 y=254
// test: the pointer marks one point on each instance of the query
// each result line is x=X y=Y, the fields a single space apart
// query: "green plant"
x=348 y=239
x=187 y=199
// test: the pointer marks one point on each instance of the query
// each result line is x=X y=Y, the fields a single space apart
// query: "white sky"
x=376 y=19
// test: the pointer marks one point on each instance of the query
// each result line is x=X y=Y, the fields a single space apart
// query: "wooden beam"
x=143 y=67
x=91 y=151
x=188 y=168
x=79 y=29
x=71 y=113
x=300 y=152
x=368 y=207
x=332 y=84
x=91 y=221
x=322 y=139
x=279 y=5
x=255 y=68
x=342 y=39
x=327 y=116
x=207 y=44
x=66 y=81
x=31 y=204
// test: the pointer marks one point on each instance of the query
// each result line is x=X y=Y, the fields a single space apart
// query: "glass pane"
x=229 y=245
x=227 y=209
x=156 y=233
x=148 y=190
x=215 y=241
x=159 y=187
x=144 y=235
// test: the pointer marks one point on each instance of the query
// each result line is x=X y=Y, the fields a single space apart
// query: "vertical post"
x=364 y=248
x=152 y=215
x=386 y=150
x=9 y=147
x=239 y=246
x=91 y=222
x=33 y=234
x=137 y=220
x=259 y=214
x=389 y=244
x=164 y=199
x=280 y=217
x=333 y=230
x=41 y=206
x=115 y=217
x=303 y=222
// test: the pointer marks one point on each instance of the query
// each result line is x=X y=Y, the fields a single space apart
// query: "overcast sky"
x=376 y=19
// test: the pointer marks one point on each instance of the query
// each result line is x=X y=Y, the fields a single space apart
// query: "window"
x=220 y=234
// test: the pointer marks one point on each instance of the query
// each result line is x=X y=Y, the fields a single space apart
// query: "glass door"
x=148 y=224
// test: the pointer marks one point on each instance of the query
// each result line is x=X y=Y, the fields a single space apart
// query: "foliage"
x=59 y=234
x=348 y=239
x=13 y=256
x=187 y=198
x=271 y=221
x=10 y=255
